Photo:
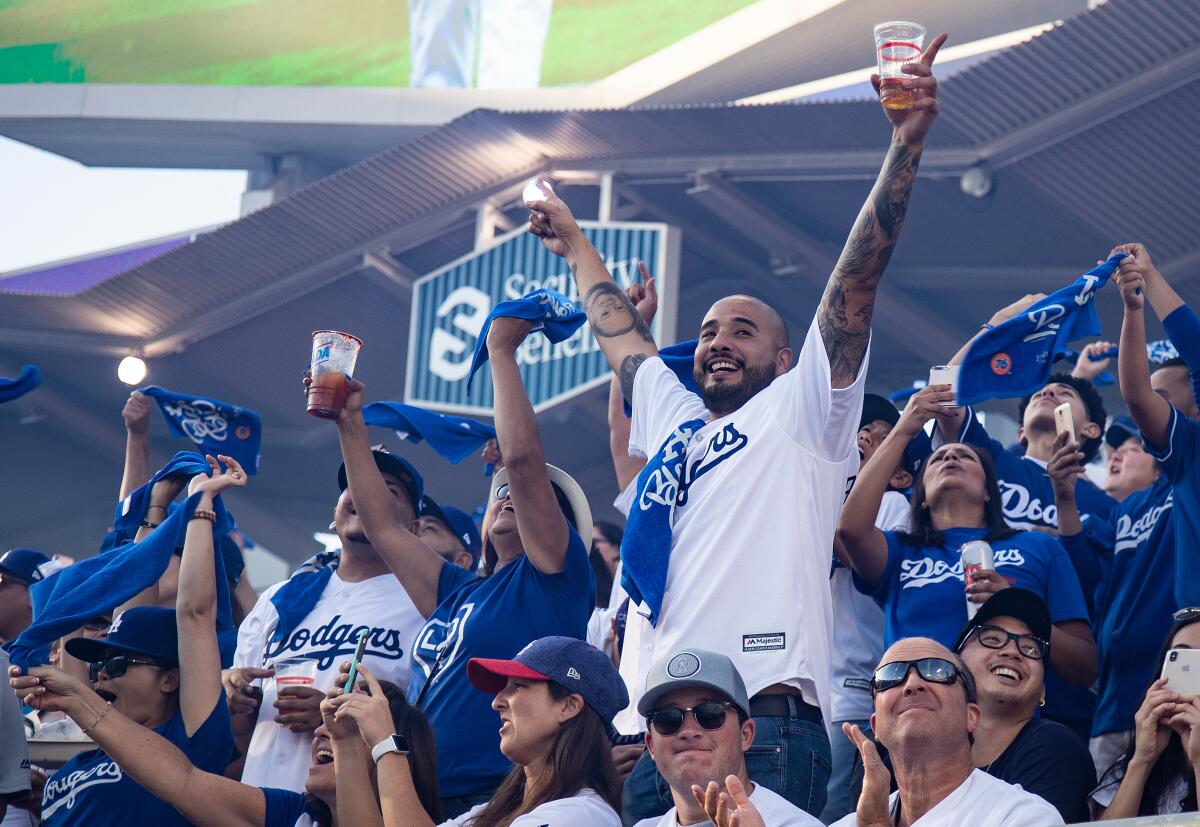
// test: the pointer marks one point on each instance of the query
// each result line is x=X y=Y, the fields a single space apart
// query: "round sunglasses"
x=931 y=670
x=669 y=719
x=118 y=665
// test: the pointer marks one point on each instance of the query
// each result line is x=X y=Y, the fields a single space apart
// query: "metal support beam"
x=604 y=210
x=489 y=220
x=69 y=341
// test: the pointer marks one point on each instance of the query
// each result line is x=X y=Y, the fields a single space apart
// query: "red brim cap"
x=490 y=676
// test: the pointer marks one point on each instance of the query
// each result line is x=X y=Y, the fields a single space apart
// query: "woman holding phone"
x=1159 y=773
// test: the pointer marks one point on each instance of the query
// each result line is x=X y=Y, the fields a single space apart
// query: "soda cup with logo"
x=333 y=357
x=897 y=42
x=976 y=555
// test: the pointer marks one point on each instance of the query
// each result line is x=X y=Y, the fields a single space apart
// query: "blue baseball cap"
x=1120 y=430
x=26 y=565
x=143 y=630
x=460 y=523
x=575 y=664
x=398 y=467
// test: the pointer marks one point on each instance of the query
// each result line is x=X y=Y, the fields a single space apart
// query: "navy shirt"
x=922 y=594
x=492 y=617
x=91 y=790
x=284 y=807
x=1049 y=760
x=1135 y=598
x=1180 y=462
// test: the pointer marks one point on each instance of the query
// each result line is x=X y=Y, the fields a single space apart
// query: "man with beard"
x=728 y=542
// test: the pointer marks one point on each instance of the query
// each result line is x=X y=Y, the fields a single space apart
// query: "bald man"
x=735 y=511
x=925 y=712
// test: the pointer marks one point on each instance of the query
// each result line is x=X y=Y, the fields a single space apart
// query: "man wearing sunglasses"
x=1005 y=647
x=925 y=713
x=698 y=730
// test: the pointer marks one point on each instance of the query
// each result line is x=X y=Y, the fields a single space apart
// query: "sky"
x=55 y=209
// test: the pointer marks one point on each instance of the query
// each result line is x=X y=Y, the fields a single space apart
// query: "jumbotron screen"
x=340 y=42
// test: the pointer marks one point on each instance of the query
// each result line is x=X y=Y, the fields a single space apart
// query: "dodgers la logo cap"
x=694 y=669
x=142 y=630
x=575 y=664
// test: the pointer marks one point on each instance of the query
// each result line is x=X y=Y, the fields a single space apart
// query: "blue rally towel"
x=646 y=546
x=1015 y=358
x=1161 y=350
x=679 y=359
x=454 y=438
x=132 y=510
x=216 y=427
x=100 y=584
x=552 y=313
x=297 y=597
x=25 y=381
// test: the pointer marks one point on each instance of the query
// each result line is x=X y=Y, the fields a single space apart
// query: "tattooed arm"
x=619 y=329
x=844 y=316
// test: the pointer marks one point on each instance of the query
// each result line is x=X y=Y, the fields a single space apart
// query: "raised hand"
x=372 y=714
x=551 y=221
x=506 y=334
x=1150 y=732
x=344 y=728
x=1131 y=281
x=217 y=480
x=491 y=453
x=136 y=413
x=731 y=808
x=1186 y=721
x=1088 y=368
x=923 y=406
x=47 y=689
x=913 y=123
x=872 y=808
x=354 y=397
x=1016 y=308
x=644 y=296
x=241 y=694
x=1065 y=466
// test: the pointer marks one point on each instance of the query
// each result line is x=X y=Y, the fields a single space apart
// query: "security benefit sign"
x=450 y=305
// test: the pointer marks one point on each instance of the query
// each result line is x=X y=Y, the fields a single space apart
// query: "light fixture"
x=131 y=370
x=977 y=181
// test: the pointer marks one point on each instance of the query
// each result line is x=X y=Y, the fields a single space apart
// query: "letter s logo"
x=443 y=344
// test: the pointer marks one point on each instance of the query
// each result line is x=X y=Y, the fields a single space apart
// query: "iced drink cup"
x=896 y=43
x=333 y=356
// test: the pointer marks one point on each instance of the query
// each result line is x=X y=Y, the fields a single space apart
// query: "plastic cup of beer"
x=897 y=42
x=295 y=672
x=333 y=356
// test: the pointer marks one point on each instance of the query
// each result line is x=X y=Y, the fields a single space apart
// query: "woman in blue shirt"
x=918 y=576
x=537 y=579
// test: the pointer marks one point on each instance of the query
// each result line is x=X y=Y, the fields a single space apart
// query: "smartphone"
x=352 y=676
x=945 y=375
x=1182 y=671
x=1063 y=420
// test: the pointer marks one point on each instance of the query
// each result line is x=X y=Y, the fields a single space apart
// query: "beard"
x=359 y=536
x=724 y=398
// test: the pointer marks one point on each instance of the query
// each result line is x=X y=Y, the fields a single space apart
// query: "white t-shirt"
x=858 y=627
x=584 y=809
x=277 y=756
x=776 y=811
x=982 y=801
x=749 y=569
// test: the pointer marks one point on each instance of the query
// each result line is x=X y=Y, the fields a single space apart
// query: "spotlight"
x=132 y=370
x=977 y=181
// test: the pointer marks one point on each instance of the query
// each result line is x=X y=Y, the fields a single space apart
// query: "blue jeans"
x=790 y=756
x=838 y=803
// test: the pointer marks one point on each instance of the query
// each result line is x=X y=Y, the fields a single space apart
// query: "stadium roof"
x=1084 y=148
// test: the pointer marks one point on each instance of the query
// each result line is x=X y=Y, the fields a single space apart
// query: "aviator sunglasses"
x=669 y=719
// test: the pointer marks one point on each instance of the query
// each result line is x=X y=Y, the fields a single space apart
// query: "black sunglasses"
x=993 y=637
x=669 y=719
x=117 y=665
x=931 y=670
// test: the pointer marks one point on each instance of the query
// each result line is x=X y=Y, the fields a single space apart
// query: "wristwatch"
x=393 y=743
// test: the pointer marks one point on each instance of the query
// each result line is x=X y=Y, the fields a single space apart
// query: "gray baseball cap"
x=694 y=669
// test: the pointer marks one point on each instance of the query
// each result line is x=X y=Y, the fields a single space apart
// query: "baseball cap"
x=876 y=407
x=570 y=489
x=142 y=630
x=398 y=467
x=1022 y=604
x=26 y=565
x=1120 y=430
x=694 y=669
x=575 y=664
x=458 y=521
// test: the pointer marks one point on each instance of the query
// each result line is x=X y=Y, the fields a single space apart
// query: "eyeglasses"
x=117 y=665
x=931 y=670
x=993 y=637
x=1189 y=613
x=669 y=720
x=501 y=491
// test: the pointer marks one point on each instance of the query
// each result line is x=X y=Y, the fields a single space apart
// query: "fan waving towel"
x=1014 y=358
x=454 y=438
x=646 y=546
x=25 y=381
x=216 y=427
x=552 y=313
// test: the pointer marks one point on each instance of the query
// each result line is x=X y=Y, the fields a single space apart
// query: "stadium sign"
x=449 y=307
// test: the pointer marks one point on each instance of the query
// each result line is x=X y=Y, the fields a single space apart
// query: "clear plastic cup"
x=333 y=356
x=296 y=672
x=897 y=42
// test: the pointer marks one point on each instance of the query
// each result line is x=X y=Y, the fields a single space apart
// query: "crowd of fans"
x=782 y=634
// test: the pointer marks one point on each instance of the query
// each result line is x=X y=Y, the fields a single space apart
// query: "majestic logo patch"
x=683 y=665
x=770 y=642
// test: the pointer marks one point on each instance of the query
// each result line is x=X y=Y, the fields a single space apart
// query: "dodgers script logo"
x=916 y=574
x=333 y=641
x=723 y=444
x=441 y=640
x=1131 y=534
x=1022 y=510
x=61 y=792
x=200 y=419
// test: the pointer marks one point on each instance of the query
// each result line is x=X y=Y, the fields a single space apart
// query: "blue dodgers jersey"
x=91 y=790
x=1025 y=485
x=1180 y=461
x=492 y=617
x=1135 y=600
